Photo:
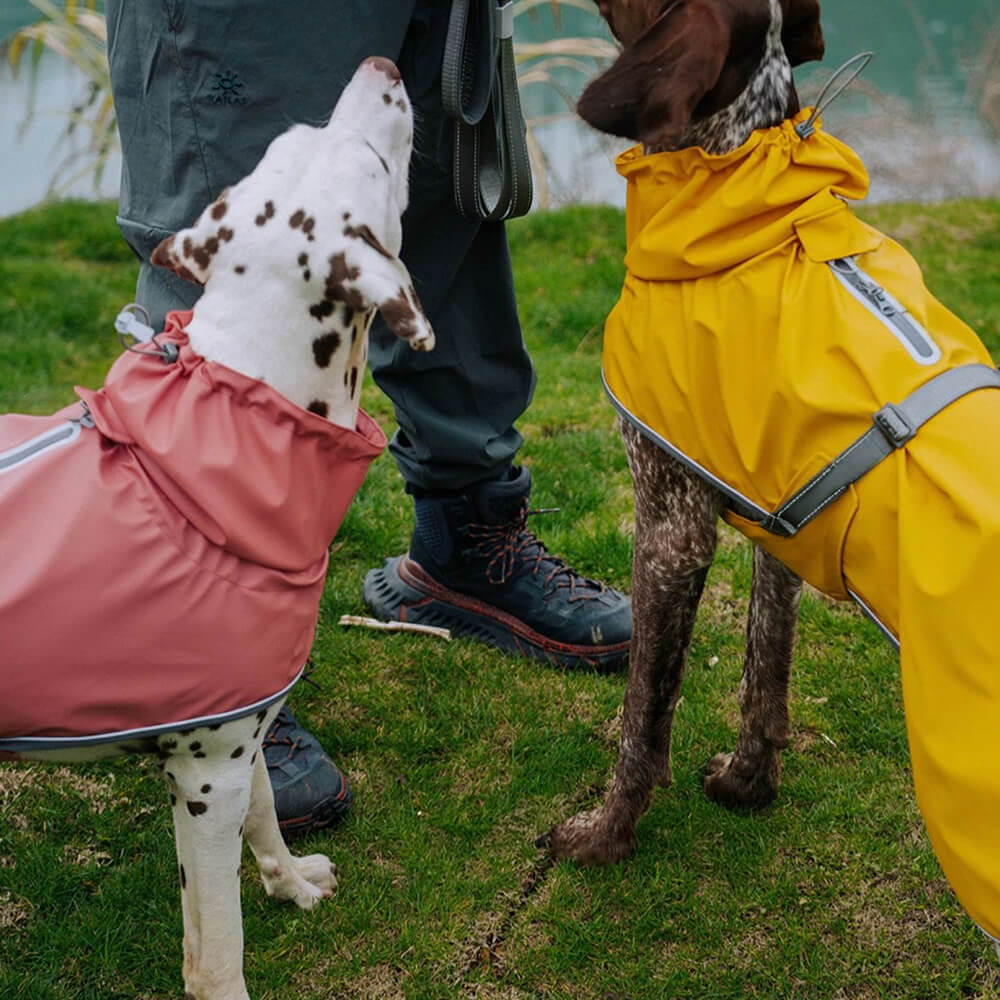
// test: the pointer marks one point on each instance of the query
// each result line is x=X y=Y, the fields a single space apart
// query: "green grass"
x=460 y=756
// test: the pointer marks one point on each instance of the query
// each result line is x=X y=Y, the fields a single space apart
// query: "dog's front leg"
x=306 y=880
x=675 y=516
x=209 y=795
x=749 y=777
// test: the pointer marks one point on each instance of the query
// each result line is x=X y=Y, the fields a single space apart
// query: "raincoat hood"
x=760 y=328
x=691 y=214
x=164 y=550
x=251 y=481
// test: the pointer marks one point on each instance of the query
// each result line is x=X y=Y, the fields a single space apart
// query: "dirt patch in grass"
x=485 y=946
x=807 y=738
x=383 y=982
x=98 y=792
x=84 y=856
x=15 y=912
x=490 y=991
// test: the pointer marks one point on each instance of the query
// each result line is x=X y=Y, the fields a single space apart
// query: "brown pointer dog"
x=693 y=73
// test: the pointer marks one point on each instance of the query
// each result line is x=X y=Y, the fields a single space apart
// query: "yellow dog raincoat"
x=761 y=332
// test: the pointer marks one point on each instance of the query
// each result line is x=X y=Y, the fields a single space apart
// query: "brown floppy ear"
x=651 y=91
x=189 y=253
x=801 y=33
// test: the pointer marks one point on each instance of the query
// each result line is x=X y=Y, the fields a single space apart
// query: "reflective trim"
x=741 y=505
x=54 y=437
x=995 y=941
x=918 y=342
x=26 y=744
x=871 y=614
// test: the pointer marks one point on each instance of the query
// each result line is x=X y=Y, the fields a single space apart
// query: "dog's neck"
x=318 y=366
x=768 y=98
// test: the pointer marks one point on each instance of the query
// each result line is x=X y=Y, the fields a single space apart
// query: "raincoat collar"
x=256 y=474
x=690 y=213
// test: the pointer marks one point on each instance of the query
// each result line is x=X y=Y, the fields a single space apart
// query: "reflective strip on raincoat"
x=760 y=327
x=163 y=566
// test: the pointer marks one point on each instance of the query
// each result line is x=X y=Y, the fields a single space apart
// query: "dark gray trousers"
x=202 y=86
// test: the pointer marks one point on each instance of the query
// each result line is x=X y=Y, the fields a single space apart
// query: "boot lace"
x=510 y=548
x=275 y=737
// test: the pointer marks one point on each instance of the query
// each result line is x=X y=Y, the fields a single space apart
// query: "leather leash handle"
x=492 y=169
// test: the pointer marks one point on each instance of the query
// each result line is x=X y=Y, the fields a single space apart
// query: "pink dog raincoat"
x=162 y=560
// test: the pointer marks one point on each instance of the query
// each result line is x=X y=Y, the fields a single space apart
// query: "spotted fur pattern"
x=296 y=259
x=676 y=513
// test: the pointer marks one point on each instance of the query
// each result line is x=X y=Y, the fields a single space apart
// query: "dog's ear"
x=651 y=91
x=801 y=33
x=628 y=19
x=390 y=287
x=189 y=253
x=366 y=274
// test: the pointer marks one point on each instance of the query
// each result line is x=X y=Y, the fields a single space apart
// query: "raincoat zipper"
x=54 y=437
x=893 y=314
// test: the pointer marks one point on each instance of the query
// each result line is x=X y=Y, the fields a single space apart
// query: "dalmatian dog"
x=216 y=463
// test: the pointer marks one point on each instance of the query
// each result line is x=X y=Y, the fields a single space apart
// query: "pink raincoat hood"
x=251 y=486
x=169 y=560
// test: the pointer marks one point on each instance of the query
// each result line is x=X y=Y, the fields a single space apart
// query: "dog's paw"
x=318 y=870
x=305 y=881
x=737 y=784
x=590 y=839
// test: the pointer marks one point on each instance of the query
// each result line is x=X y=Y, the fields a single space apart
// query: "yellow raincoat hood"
x=760 y=327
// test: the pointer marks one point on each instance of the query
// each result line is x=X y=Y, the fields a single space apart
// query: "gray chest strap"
x=892 y=427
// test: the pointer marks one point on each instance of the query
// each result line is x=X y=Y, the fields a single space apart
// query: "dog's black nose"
x=384 y=65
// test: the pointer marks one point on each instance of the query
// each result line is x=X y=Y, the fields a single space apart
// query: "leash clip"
x=129 y=324
x=808 y=127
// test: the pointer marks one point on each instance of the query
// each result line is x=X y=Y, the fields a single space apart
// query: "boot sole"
x=401 y=591
x=325 y=814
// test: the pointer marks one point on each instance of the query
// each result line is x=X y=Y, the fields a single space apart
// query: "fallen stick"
x=380 y=626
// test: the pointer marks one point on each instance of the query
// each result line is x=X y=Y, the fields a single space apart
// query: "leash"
x=492 y=170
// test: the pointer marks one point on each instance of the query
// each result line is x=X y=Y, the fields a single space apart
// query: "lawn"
x=460 y=756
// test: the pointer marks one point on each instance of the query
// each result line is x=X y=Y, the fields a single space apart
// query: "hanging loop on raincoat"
x=806 y=128
x=129 y=324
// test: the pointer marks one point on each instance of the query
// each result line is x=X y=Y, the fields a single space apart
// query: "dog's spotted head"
x=315 y=230
x=684 y=61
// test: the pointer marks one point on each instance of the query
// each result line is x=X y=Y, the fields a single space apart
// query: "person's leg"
x=455 y=405
x=200 y=90
x=472 y=565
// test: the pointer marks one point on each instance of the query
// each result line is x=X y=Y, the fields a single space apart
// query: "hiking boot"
x=475 y=568
x=309 y=790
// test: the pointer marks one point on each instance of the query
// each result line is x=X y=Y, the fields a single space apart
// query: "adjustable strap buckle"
x=895 y=428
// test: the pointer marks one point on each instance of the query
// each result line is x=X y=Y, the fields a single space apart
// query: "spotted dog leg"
x=675 y=515
x=749 y=777
x=305 y=880
x=209 y=773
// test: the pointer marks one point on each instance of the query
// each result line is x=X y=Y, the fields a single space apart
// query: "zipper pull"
x=885 y=305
